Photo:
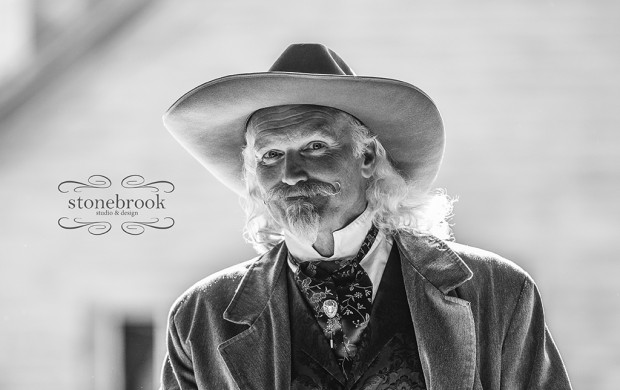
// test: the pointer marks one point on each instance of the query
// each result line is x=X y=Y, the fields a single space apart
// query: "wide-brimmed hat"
x=210 y=120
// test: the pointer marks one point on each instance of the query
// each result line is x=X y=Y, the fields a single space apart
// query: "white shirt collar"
x=347 y=241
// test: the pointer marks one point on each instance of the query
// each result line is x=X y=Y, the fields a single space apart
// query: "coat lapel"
x=259 y=357
x=443 y=323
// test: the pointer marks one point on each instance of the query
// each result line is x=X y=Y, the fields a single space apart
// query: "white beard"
x=303 y=221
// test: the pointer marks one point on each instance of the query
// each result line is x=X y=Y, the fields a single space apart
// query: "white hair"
x=397 y=204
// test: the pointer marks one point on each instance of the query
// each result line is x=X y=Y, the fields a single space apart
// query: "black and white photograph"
x=402 y=195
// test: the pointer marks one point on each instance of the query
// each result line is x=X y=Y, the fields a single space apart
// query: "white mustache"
x=302 y=189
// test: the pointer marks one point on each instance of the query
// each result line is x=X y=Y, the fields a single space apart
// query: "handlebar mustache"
x=302 y=189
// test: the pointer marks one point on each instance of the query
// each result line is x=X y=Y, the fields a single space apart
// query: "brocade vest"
x=388 y=356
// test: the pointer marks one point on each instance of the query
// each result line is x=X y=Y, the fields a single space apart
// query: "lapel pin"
x=330 y=308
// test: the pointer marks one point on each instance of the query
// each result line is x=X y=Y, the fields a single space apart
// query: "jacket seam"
x=187 y=351
x=514 y=311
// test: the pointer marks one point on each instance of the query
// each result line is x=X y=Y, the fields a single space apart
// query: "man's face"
x=307 y=171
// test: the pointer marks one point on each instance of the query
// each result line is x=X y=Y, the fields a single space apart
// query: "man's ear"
x=370 y=160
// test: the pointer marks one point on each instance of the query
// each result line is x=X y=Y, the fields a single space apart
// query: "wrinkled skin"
x=295 y=144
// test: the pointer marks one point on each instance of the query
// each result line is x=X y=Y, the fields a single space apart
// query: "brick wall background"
x=529 y=93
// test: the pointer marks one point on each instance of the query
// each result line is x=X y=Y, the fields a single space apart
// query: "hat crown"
x=311 y=58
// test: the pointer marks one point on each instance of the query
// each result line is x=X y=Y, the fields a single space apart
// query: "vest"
x=388 y=356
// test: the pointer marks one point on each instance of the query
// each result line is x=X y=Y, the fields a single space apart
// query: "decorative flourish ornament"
x=330 y=308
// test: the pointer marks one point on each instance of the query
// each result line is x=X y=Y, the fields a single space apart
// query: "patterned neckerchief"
x=340 y=295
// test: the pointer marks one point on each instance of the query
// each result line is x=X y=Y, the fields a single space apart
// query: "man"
x=358 y=285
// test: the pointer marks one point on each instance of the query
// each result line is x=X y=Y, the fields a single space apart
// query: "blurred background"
x=529 y=91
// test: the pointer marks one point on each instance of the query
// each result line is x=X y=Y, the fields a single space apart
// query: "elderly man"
x=358 y=285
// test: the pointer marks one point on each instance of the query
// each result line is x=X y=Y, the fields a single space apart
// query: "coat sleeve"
x=177 y=372
x=530 y=359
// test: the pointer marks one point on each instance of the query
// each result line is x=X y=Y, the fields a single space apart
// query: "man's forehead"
x=277 y=117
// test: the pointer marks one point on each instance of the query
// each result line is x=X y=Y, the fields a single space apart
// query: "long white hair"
x=397 y=204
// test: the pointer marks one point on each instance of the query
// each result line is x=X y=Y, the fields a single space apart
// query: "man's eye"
x=316 y=145
x=271 y=156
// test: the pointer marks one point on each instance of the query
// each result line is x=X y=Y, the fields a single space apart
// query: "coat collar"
x=434 y=261
x=444 y=324
x=258 y=286
x=430 y=257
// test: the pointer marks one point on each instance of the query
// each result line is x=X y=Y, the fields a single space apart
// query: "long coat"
x=478 y=321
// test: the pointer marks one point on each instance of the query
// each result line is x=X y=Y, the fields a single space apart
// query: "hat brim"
x=210 y=120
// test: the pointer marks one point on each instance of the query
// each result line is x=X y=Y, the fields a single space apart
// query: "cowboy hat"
x=210 y=120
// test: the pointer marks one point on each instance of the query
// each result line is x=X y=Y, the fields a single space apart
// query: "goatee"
x=302 y=215
x=303 y=220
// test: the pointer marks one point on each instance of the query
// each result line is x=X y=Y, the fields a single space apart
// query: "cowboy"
x=358 y=285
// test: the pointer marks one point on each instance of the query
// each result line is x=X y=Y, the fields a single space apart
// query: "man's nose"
x=294 y=171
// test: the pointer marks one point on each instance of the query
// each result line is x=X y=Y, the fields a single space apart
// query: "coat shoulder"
x=210 y=295
x=497 y=285
x=489 y=266
x=497 y=290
